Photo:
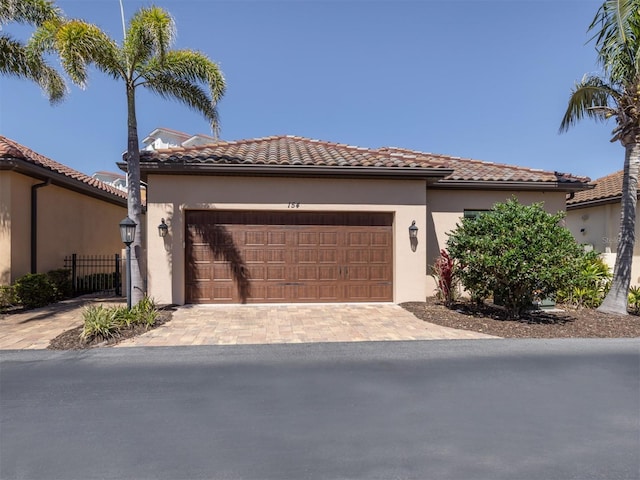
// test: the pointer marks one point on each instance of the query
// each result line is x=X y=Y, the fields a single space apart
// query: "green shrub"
x=588 y=287
x=61 y=280
x=515 y=252
x=7 y=297
x=35 y=290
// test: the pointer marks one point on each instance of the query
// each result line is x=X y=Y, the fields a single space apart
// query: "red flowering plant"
x=444 y=272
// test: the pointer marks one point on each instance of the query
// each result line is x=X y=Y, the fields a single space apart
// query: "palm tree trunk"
x=616 y=299
x=134 y=200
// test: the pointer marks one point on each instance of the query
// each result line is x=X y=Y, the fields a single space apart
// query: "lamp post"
x=127 y=234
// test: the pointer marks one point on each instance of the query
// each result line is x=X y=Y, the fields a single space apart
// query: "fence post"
x=74 y=273
x=118 y=283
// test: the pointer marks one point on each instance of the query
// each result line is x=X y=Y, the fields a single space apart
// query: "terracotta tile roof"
x=10 y=150
x=606 y=189
x=469 y=170
x=289 y=150
x=293 y=150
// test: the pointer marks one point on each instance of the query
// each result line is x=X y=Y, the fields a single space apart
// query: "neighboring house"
x=291 y=219
x=166 y=138
x=117 y=180
x=48 y=210
x=593 y=217
x=120 y=182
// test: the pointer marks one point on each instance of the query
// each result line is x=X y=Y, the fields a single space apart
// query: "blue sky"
x=481 y=79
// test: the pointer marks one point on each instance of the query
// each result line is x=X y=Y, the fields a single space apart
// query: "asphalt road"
x=503 y=409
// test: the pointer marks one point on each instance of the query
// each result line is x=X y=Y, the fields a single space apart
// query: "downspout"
x=34 y=224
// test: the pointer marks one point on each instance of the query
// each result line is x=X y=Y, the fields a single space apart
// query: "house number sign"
x=293 y=205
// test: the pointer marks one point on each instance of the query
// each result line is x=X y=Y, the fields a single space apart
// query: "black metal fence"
x=95 y=273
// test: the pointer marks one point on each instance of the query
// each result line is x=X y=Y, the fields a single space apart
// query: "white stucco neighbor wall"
x=170 y=196
x=598 y=227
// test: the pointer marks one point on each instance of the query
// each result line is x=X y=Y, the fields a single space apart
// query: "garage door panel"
x=276 y=255
x=275 y=293
x=380 y=292
x=255 y=238
x=276 y=273
x=379 y=273
x=276 y=238
x=306 y=239
x=380 y=239
x=328 y=273
x=306 y=255
x=253 y=255
x=358 y=239
x=257 y=272
x=328 y=239
x=379 y=256
x=306 y=273
x=221 y=271
x=327 y=256
x=279 y=257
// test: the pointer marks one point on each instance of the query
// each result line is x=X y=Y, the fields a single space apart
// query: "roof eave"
x=594 y=203
x=511 y=185
x=41 y=173
x=165 y=168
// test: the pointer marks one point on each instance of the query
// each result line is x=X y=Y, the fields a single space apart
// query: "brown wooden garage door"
x=236 y=257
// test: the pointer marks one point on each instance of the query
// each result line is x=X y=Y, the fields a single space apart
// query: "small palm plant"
x=634 y=299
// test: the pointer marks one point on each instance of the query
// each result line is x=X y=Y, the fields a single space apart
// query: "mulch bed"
x=70 y=340
x=492 y=320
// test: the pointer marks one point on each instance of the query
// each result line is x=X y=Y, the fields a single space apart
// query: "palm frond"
x=151 y=33
x=592 y=97
x=192 y=66
x=17 y=60
x=81 y=44
x=186 y=92
x=618 y=24
x=33 y=12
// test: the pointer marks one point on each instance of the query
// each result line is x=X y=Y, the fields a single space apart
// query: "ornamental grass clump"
x=102 y=323
x=514 y=253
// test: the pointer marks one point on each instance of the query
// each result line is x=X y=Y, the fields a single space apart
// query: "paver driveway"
x=237 y=324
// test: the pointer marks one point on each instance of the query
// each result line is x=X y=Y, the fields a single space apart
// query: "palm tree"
x=19 y=61
x=144 y=59
x=616 y=94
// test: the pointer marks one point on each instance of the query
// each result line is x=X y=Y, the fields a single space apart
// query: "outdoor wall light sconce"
x=127 y=235
x=413 y=236
x=163 y=229
x=413 y=230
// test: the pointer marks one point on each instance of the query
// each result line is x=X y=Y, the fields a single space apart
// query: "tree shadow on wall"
x=222 y=247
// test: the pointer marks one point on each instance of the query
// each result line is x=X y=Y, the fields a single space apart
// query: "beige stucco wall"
x=601 y=225
x=68 y=222
x=170 y=196
x=446 y=208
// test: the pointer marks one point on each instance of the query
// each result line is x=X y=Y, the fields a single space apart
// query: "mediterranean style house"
x=292 y=219
x=48 y=210
x=593 y=217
